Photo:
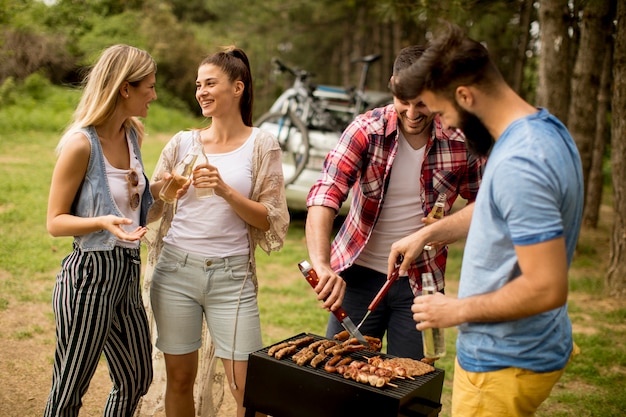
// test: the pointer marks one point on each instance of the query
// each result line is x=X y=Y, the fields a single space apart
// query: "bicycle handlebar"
x=300 y=74
x=354 y=96
x=368 y=59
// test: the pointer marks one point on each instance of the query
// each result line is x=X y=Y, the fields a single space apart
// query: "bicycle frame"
x=305 y=106
x=309 y=101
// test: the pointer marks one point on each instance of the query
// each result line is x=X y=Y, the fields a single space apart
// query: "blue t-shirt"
x=532 y=192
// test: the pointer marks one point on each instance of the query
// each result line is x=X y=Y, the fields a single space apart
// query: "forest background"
x=566 y=55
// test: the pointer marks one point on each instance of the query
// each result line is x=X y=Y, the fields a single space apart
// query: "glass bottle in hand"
x=180 y=175
x=202 y=192
x=437 y=213
x=438 y=210
x=433 y=339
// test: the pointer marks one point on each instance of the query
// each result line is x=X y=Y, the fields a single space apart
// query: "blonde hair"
x=117 y=64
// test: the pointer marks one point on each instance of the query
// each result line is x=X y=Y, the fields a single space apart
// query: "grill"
x=281 y=388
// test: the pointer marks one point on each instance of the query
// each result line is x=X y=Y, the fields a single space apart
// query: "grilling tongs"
x=390 y=280
x=341 y=315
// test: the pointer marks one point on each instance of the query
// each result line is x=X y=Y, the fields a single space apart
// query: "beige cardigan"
x=268 y=189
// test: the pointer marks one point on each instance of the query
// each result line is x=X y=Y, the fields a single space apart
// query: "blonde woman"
x=204 y=251
x=100 y=195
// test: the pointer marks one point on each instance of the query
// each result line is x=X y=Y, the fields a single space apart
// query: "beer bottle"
x=438 y=210
x=202 y=159
x=437 y=213
x=433 y=338
x=180 y=175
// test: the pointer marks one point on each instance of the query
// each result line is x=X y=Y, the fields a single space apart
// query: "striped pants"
x=98 y=309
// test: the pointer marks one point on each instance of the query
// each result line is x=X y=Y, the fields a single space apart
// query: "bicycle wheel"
x=293 y=137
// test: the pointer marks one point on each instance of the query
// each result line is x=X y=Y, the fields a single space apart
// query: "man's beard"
x=478 y=140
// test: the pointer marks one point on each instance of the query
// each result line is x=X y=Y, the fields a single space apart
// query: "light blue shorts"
x=186 y=287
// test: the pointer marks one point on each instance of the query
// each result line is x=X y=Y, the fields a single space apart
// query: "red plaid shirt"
x=362 y=160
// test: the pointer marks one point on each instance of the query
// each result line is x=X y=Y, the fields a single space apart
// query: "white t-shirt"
x=402 y=212
x=210 y=227
x=122 y=191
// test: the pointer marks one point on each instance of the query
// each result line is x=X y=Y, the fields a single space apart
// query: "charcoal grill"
x=281 y=388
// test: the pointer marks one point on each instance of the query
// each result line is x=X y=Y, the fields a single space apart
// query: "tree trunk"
x=596 y=174
x=553 y=91
x=386 y=61
x=526 y=11
x=346 y=48
x=595 y=24
x=616 y=276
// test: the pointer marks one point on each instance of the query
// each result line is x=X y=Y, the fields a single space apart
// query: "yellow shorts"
x=511 y=392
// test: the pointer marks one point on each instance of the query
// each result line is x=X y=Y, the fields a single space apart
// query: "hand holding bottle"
x=207 y=177
x=199 y=179
x=438 y=210
x=432 y=338
x=435 y=214
x=178 y=178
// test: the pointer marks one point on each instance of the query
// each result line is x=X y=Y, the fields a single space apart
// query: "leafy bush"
x=8 y=93
x=36 y=86
x=37 y=105
x=27 y=50
x=162 y=118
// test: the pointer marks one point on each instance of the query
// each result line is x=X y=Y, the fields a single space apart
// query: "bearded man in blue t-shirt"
x=515 y=337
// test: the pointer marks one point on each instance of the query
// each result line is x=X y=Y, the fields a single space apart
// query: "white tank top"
x=402 y=212
x=122 y=191
x=209 y=227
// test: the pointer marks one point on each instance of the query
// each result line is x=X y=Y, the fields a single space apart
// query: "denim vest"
x=94 y=197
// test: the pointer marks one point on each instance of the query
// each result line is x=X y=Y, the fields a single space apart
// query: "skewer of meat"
x=365 y=376
x=358 y=364
x=405 y=367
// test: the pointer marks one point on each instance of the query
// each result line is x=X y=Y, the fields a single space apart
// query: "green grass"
x=593 y=384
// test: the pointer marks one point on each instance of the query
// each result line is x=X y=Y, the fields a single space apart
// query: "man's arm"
x=441 y=232
x=318 y=230
x=542 y=287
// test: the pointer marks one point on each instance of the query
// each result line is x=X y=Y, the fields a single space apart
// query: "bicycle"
x=306 y=106
x=288 y=118
x=352 y=101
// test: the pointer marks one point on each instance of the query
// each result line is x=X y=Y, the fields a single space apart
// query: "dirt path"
x=26 y=355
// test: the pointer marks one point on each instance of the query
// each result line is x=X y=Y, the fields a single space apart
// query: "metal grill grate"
x=284 y=389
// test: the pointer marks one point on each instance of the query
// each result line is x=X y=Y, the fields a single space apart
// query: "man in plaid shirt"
x=387 y=205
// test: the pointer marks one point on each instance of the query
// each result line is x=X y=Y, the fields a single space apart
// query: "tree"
x=517 y=76
x=594 y=191
x=553 y=91
x=595 y=183
x=24 y=52
x=596 y=23
x=616 y=276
